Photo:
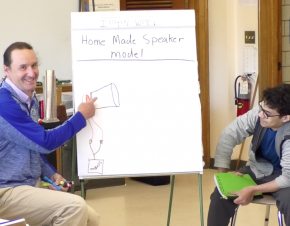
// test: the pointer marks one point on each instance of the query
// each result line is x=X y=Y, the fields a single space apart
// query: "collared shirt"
x=23 y=97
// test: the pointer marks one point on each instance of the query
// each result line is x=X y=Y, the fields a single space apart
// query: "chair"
x=267 y=200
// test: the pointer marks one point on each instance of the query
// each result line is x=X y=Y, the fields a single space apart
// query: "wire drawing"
x=108 y=96
x=91 y=140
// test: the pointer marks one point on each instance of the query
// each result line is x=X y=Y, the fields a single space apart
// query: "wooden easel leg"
x=170 y=200
x=200 y=199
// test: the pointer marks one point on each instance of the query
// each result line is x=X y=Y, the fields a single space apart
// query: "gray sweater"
x=248 y=125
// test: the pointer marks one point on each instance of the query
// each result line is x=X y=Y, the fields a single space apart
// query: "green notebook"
x=231 y=182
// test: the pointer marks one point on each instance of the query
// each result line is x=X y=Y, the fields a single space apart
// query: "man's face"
x=23 y=71
x=270 y=118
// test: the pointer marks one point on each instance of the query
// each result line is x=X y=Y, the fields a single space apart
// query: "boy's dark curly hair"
x=278 y=98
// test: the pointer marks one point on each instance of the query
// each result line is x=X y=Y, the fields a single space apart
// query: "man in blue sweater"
x=22 y=145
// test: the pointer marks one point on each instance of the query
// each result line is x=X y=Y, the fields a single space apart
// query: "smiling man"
x=23 y=70
x=269 y=155
x=22 y=145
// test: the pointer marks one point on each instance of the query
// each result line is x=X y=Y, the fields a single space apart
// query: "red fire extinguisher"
x=243 y=96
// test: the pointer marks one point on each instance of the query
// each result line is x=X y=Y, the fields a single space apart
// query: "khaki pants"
x=41 y=206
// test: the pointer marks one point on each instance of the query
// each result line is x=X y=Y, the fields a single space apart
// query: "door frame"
x=202 y=44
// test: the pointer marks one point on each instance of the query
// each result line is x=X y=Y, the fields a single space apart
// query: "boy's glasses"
x=266 y=115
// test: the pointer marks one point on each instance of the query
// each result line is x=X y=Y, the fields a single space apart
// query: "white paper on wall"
x=250 y=60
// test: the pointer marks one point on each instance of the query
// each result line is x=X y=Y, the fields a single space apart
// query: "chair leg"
x=267 y=214
x=280 y=218
x=233 y=220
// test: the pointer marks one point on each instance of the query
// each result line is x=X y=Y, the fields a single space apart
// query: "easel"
x=171 y=188
x=171 y=191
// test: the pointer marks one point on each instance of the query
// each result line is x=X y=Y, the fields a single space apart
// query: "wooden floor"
x=139 y=204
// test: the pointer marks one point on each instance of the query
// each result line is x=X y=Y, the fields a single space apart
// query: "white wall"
x=228 y=20
x=43 y=24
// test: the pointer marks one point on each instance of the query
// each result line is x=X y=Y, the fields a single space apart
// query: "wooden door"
x=201 y=11
x=270 y=44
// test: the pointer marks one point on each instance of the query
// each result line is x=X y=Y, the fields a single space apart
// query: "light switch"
x=250 y=37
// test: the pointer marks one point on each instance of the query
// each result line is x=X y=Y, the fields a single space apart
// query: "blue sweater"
x=23 y=140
